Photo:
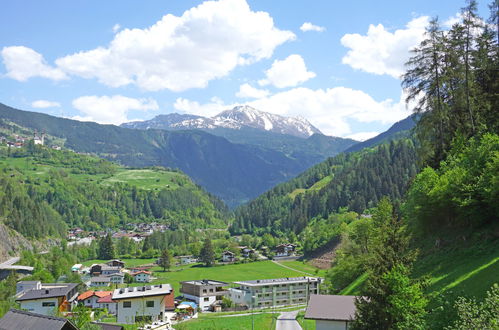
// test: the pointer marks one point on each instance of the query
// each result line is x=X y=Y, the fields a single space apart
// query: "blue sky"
x=335 y=63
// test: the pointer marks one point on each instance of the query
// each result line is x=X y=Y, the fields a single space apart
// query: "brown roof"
x=90 y=293
x=330 y=307
x=107 y=299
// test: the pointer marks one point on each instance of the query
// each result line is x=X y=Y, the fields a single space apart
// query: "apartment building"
x=205 y=293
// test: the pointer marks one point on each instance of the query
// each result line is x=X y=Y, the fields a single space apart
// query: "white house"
x=76 y=268
x=100 y=281
x=142 y=276
x=90 y=298
x=331 y=312
x=146 y=303
x=184 y=260
x=117 y=278
x=49 y=298
x=205 y=293
x=228 y=256
x=108 y=303
x=23 y=286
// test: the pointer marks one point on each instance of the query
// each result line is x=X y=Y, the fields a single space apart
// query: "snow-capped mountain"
x=237 y=118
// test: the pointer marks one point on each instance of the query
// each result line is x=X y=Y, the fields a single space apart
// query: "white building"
x=90 y=298
x=100 y=281
x=205 y=293
x=331 y=312
x=275 y=292
x=146 y=303
x=108 y=303
x=228 y=256
x=142 y=276
x=49 y=298
x=117 y=278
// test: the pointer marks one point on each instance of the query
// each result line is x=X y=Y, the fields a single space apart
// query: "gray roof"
x=28 y=282
x=142 y=291
x=16 y=319
x=205 y=282
x=331 y=307
x=100 y=279
x=284 y=280
x=58 y=290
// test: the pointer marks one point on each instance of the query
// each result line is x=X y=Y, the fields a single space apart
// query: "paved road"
x=287 y=321
x=10 y=262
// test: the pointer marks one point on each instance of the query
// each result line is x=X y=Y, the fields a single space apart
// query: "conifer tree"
x=207 y=255
x=165 y=260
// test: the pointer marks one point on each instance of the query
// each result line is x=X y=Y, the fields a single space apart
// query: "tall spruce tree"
x=391 y=300
x=106 y=247
x=165 y=260
x=207 y=255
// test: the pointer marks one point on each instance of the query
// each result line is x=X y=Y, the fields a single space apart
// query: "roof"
x=100 y=279
x=228 y=252
x=331 y=307
x=284 y=280
x=16 y=319
x=142 y=291
x=106 y=299
x=114 y=274
x=58 y=290
x=28 y=282
x=90 y=293
x=107 y=326
x=204 y=282
x=141 y=272
x=190 y=304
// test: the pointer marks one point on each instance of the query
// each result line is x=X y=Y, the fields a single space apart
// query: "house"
x=49 y=298
x=100 y=281
x=205 y=293
x=185 y=260
x=117 y=278
x=275 y=292
x=17 y=319
x=246 y=252
x=116 y=263
x=285 y=250
x=228 y=256
x=103 y=269
x=147 y=303
x=330 y=311
x=108 y=303
x=142 y=276
x=23 y=286
x=76 y=268
x=90 y=298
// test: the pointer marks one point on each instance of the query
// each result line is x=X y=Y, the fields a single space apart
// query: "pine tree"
x=106 y=248
x=391 y=300
x=207 y=255
x=165 y=260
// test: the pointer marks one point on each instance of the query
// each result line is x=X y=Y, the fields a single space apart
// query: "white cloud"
x=177 y=53
x=289 y=72
x=23 y=63
x=330 y=109
x=307 y=26
x=116 y=27
x=381 y=51
x=41 y=104
x=247 y=91
x=362 y=136
x=110 y=109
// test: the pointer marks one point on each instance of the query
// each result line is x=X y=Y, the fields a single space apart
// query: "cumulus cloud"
x=289 y=72
x=248 y=91
x=362 y=136
x=177 y=53
x=23 y=63
x=330 y=109
x=116 y=27
x=381 y=51
x=42 y=104
x=110 y=109
x=307 y=26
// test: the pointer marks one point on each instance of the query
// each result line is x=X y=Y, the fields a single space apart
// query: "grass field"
x=148 y=179
x=304 y=267
x=248 y=321
x=305 y=324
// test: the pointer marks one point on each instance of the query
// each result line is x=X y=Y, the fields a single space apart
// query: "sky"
x=336 y=63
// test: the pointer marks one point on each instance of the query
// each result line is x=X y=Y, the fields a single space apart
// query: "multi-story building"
x=205 y=293
x=275 y=292
x=148 y=303
x=48 y=298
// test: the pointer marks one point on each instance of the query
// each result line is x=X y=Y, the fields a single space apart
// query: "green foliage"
x=207 y=255
x=165 y=260
x=106 y=248
x=478 y=315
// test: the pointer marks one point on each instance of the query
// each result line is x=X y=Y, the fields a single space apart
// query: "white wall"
x=35 y=306
x=138 y=308
x=203 y=305
x=331 y=325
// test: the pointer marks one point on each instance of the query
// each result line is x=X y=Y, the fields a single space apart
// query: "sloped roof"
x=331 y=307
x=17 y=319
x=48 y=292
x=107 y=299
x=90 y=293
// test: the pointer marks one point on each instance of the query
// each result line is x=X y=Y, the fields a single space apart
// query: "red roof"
x=142 y=271
x=106 y=299
x=90 y=293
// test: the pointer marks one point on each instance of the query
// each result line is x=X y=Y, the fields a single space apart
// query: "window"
x=204 y=290
x=48 y=304
x=207 y=299
x=150 y=303
x=211 y=290
x=127 y=304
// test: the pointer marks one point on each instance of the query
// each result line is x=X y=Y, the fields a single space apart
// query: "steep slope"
x=234 y=172
x=398 y=130
x=237 y=118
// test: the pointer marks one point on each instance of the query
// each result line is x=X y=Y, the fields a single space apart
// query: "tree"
x=475 y=315
x=207 y=255
x=166 y=260
x=106 y=247
x=391 y=300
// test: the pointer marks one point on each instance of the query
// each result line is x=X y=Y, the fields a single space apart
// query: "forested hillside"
x=44 y=191
x=355 y=181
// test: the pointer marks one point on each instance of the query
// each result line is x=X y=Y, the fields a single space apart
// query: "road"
x=10 y=262
x=287 y=321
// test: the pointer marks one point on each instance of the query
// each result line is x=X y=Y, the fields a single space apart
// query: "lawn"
x=305 y=324
x=248 y=321
x=145 y=178
x=128 y=262
x=304 y=267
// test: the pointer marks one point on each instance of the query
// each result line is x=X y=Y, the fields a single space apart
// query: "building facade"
x=49 y=298
x=205 y=293
x=275 y=292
